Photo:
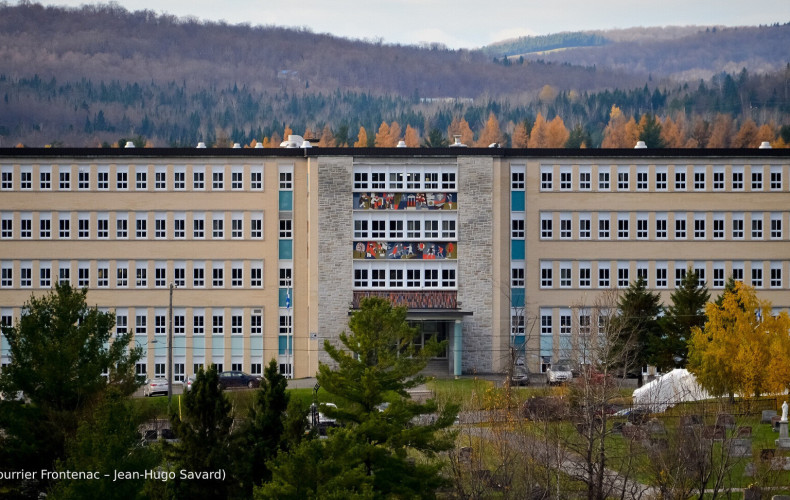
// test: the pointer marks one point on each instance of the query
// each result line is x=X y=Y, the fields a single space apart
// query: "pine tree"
x=638 y=321
x=687 y=310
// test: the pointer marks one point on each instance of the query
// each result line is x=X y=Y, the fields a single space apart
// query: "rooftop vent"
x=401 y=144
x=201 y=145
x=765 y=145
x=293 y=141
x=236 y=145
x=259 y=145
x=129 y=144
x=457 y=143
x=640 y=145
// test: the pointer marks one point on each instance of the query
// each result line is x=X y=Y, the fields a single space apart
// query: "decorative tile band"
x=414 y=300
x=406 y=201
x=400 y=250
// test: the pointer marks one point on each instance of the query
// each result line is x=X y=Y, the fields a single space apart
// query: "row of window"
x=405 y=277
x=104 y=178
x=659 y=226
x=603 y=274
x=405 y=178
x=137 y=225
x=393 y=227
x=658 y=178
x=136 y=274
x=179 y=373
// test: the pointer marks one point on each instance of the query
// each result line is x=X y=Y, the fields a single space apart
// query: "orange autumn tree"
x=411 y=137
x=459 y=126
x=742 y=348
x=327 y=138
x=556 y=133
x=620 y=132
x=382 y=136
x=362 y=138
x=537 y=136
x=491 y=133
x=520 y=135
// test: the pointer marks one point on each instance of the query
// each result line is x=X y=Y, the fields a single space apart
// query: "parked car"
x=155 y=386
x=520 y=374
x=235 y=378
x=559 y=373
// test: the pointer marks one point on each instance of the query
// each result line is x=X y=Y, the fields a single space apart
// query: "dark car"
x=235 y=378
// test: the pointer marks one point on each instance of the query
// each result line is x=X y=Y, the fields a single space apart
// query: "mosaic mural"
x=405 y=250
x=415 y=300
x=406 y=201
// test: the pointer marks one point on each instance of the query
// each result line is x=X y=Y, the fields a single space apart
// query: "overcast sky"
x=465 y=23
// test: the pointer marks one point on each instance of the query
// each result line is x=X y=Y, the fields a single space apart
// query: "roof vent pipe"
x=640 y=145
x=129 y=144
x=765 y=145
x=401 y=144
x=457 y=143
x=236 y=145
x=259 y=146
x=201 y=145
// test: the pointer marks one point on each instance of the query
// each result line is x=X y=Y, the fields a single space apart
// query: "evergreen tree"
x=686 y=311
x=435 y=139
x=638 y=322
x=650 y=131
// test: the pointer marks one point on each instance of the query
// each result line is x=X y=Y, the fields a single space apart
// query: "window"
x=237 y=276
x=45 y=179
x=160 y=179
x=661 y=275
x=256 y=323
x=448 y=181
x=121 y=323
x=83 y=227
x=256 y=275
x=160 y=227
x=102 y=226
x=517 y=228
x=680 y=273
x=360 y=278
x=45 y=226
x=737 y=178
x=661 y=178
x=737 y=271
x=7 y=275
x=179 y=226
x=680 y=179
x=516 y=180
x=565 y=226
x=737 y=226
x=7 y=179
x=699 y=226
x=622 y=179
x=198 y=226
x=699 y=179
x=603 y=179
x=217 y=227
x=584 y=226
x=360 y=229
x=776 y=226
x=256 y=178
x=622 y=275
x=718 y=226
x=622 y=226
x=44 y=275
x=217 y=324
x=121 y=179
x=757 y=179
x=699 y=270
x=413 y=278
x=603 y=275
x=718 y=275
x=641 y=226
x=141 y=325
x=198 y=275
x=757 y=275
x=121 y=224
x=545 y=226
x=718 y=178
x=396 y=278
x=236 y=179
x=179 y=274
x=141 y=226
x=546 y=178
x=286 y=180
x=7 y=227
x=776 y=178
x=64 y=223
x=65 y=178
x=566 y=179
x=757 y=226
x=64 y=273
x=217 y=179
x=603 y=226
x=25 y=275
x=641 y=271
x=198 y=324
x=517 y=277
x=102 y=275
x=680 y=226
x=236 y=324
x=179 y=179
x=141 y=179
x=237 y=227
x=641 y=179
x=431 y=180
x=218 y=276
x=160 y=275
x=584 y=275
x=83 y=179
x=286 y=232
x=103 y=178
x=776 y=275
x=565 y=275
x=198 y=179
x=256 y=226
x=545 y=322
x=378 y=181
x=83 y=275
x=25 y=225
x=26 y=178
x=584 y=179
x=546 y=280
x=396 y=180
x=431 y=278
x=141 y=275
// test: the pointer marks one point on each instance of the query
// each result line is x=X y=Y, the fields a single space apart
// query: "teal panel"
x=256 y=346
x=518 y=341
x=160 y=345
x=566 y=346
x=546 y=345
x=236 y=346
x=199 y=346
x=284 y=344
x=517 y=201
x=286 y=201
x=179 y=346
x=517 y=251
x=283 y=302
x=286 y=249
x=517 y=297
x=5 y=347
x=217 y=344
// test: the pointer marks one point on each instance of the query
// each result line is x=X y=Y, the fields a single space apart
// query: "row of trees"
x=71 y=420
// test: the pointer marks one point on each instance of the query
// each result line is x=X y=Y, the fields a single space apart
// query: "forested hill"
x=95 y=74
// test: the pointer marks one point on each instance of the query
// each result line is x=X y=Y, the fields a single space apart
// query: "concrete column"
x=458 y=347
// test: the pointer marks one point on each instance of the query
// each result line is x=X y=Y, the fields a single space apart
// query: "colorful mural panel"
x=406 y=201
x=400 y=250
x=415 y=300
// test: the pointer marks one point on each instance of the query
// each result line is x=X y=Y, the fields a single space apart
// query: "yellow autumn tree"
x=491 y=133
x=459 y=126
x=275 y=140
x=537 y=136
x=411 y=137
x=620 y=132
x=382 y=136
x=765 y=133
x=556 y=133
x=720 y=132
x=288 y=131
x=520 y=136
x=741 y=345
x=362 y=138
x=746 y=137
x=327 y=138
x=672 y=133
x=394 y=135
